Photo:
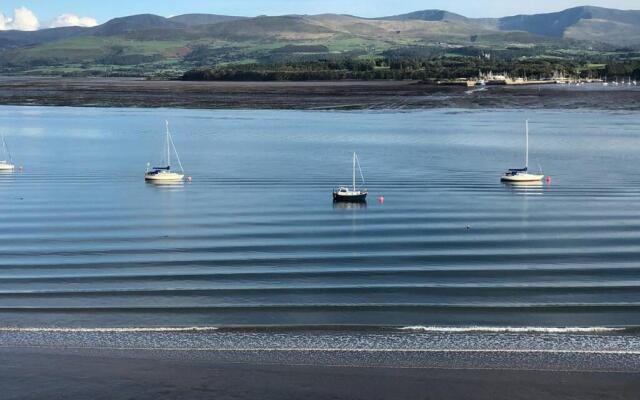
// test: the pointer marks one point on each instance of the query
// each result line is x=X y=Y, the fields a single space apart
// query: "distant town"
x=490 y=78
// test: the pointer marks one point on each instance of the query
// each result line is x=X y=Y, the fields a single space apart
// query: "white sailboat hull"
x=164 y=177
x=522 y=178
x=5 y=166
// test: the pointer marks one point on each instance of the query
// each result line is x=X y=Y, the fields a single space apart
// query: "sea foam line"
x=340 y=350
x=510 y=329
x=110 y=330
x=414 y=328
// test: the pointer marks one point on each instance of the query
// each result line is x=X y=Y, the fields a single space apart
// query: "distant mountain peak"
x=427 y=15
x=133 y=23
x=203 y=19
x=556 y=24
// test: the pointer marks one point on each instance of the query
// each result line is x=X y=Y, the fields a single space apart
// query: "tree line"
x=438 y=68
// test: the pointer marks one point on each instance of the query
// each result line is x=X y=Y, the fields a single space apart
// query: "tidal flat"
x=316 y=95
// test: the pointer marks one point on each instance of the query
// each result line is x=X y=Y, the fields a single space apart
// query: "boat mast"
x=354 y=171
x=168 y=152
x=526 y=156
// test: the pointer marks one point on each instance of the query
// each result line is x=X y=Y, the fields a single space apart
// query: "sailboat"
x=522 y=174
x=7 y=163
x=164 y=174
x=344 y=193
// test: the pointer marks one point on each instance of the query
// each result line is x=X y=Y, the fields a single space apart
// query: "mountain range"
x=199 y=39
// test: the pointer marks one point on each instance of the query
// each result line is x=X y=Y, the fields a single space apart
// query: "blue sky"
x=104 y=10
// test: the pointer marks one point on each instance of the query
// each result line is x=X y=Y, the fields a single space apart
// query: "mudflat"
x=331 y=95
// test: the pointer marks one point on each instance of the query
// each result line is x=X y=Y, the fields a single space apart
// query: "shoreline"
x=309 y=95
x=572 y=351
x=329 y=328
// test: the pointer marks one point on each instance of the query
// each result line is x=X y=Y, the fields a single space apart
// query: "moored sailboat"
x=165 y=174
x=344 y=193
x=519 y=175
x=6 y=164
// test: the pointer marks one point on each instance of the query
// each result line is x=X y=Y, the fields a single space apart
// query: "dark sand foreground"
x=40 y=374
x=340 y=95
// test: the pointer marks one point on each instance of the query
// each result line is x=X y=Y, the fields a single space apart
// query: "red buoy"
x=189 y=178
x=381 y=199
x=548 y=179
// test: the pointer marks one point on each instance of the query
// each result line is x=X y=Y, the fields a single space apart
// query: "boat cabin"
x=516 y=171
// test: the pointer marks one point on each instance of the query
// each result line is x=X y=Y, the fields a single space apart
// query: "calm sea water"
x=256 y=239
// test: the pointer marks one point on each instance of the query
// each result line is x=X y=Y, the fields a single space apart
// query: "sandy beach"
x=38 y=373
x=261 y=363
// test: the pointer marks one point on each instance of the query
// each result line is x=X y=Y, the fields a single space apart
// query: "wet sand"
x=38 y=373
x=340 y=95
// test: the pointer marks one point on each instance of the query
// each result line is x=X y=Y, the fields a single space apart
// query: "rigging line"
x=6 y=148
x=176 y=153
x=360 y=169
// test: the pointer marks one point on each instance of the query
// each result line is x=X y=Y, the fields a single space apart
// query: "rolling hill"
x=203 y=19
x=428 y=15
x=584 y=23
x=149 y=42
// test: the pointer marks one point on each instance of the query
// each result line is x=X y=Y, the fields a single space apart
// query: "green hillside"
x=150 y=45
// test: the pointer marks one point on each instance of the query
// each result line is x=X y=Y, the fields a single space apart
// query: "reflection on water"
x=170 y=184
x=349 y=205
x=532 y=187
x=534 y=184
x=252 y=240
x=8 y=177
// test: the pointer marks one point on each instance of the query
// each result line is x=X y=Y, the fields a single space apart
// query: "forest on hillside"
x=426 y=69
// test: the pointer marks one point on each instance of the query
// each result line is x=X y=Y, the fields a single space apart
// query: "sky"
x=35 y=14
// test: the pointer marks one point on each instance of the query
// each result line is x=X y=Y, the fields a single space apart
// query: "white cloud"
x=25 y=20
x=72 y=20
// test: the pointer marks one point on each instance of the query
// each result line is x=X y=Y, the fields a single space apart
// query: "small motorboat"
x=6 y=164
x=520 y=175
x=165 y=174
x=353 y=194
